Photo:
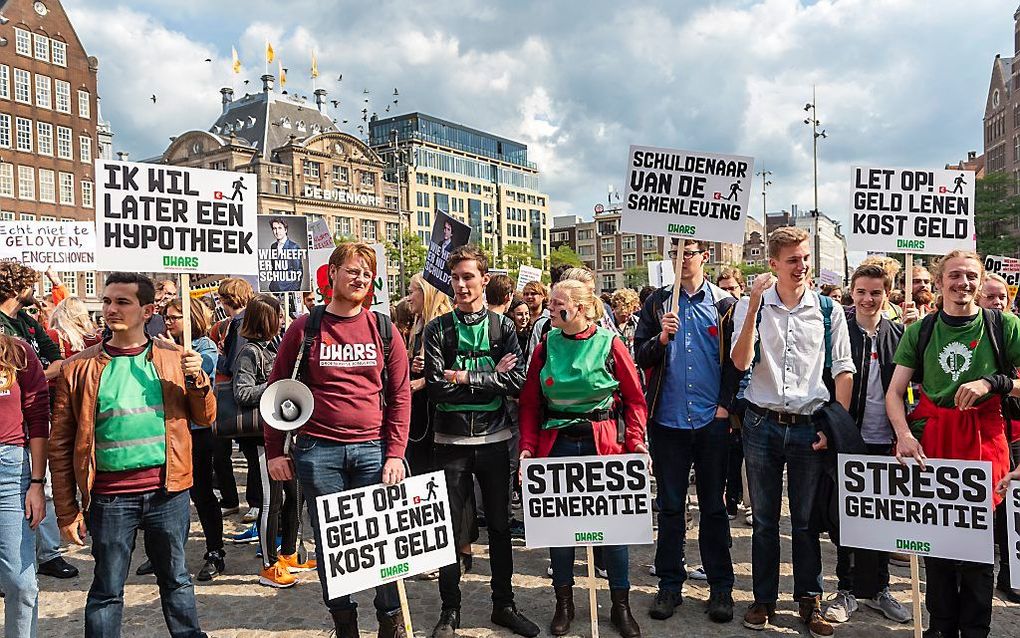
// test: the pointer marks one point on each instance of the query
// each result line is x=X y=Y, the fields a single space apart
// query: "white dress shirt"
x=788 y=375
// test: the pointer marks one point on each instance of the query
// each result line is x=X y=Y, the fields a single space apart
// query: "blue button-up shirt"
x=690 y=388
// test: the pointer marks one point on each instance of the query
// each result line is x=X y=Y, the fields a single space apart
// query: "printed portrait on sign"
x=283 y=253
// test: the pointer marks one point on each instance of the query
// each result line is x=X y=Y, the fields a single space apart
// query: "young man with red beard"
x=958 y=416
x=358 y=429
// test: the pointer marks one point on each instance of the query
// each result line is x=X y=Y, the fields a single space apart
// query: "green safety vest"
x=130 y=424
x=474 y=352
x=575 y=377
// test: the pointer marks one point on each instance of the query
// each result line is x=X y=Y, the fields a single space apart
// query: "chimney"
x=228 y=96
x=971 y=156
x=122 y=156
x=267 y=82
x=320 y=99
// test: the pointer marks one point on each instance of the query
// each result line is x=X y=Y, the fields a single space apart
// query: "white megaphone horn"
x=286 y=405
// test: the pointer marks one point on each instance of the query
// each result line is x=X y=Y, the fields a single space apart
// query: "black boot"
x=346 y=622
x=391 y=625
x=620 y=614
x=564 y=613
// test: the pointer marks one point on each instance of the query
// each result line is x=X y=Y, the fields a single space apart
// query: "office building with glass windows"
x=483 y=180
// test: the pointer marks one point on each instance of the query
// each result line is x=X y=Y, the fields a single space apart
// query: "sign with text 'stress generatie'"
x=688 y=194
x=1012 y=506
x=587 y=500
x=156 y=218
x=906 y=210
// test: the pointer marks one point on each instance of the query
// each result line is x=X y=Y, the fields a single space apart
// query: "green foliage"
x=636 y=277
x=996 y=214
x=414 y=257
x=564 y=255
x=515 y=255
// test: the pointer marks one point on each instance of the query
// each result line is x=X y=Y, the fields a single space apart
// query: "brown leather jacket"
x=72 y=435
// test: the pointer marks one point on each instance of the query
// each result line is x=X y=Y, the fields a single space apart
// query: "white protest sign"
x=526 y=275
x=943 y=510
x=587 y=500
x=322 y=287
x=674 y=193
x=381 y=283
x=157 y=218
x=377 y=534
x=67 y=246
x=1013 y=532
x=906 y=210
x=319 y=235
x=830 y=277
x=660 y=273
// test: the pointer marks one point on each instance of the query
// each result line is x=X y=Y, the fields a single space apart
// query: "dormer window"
x=301 y=125
x=251 y=121
x=285 y=122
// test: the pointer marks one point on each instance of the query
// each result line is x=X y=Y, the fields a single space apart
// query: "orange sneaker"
x=277 y=575
x=294 y=567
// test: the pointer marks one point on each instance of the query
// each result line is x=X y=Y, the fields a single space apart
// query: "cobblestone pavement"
x=234 y=605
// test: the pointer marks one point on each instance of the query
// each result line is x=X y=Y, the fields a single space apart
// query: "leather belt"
x=782 y=418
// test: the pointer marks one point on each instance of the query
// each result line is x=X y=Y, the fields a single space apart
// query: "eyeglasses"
x=731 y=288
x=688 y=254
x=170 y=318
x=354 y=273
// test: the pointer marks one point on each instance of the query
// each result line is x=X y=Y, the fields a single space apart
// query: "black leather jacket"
x=482 y=386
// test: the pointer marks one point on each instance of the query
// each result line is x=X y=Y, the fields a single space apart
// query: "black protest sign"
x=447 y=235
x=283 y=253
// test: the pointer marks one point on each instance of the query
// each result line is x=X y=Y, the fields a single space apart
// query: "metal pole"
x=397 y=164
x=814 y=140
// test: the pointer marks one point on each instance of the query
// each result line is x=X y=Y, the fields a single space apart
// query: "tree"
x=515 y=255
x=414 y=256
x=996 y=211
x=751 y=269
x=564 y=255
x=636 y=277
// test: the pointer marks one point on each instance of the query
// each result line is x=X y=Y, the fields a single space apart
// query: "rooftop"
x=426 y=128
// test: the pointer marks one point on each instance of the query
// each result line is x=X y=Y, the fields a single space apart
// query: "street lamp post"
x=397 y=165
x=765 y=183
x=815 y=134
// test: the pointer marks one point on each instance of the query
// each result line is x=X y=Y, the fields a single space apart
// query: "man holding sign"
x=963 y=357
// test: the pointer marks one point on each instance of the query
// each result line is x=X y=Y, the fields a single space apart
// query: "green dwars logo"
x=681 y=229
x=910 y=244
x=394 y=570
x=913 y=546
x=588 y=537
x=173 y=261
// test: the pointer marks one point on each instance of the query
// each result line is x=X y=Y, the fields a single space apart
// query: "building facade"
x=48 y=122
x=480 y=179
x=1002 y=112
x=830 y=248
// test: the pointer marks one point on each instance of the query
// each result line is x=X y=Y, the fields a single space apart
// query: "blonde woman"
x=426 y=303
x=71 y=327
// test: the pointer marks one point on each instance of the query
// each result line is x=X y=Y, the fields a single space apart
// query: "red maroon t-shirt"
x=344 y=373
x=147 y=479
x=24 y=402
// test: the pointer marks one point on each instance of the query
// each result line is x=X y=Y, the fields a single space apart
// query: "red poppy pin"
x=548 y=381
x=713 y=331
x=973 y=344
x=31 y=331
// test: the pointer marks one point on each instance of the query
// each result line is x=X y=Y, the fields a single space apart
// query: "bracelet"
x=38 y=481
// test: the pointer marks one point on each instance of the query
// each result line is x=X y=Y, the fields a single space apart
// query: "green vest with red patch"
x=576 y=378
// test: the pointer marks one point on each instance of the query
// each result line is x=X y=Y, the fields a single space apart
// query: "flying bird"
x=340 y=77
x=246 y=82
x=396 y=92
x=153 y=98
x=345 y=121
x=208 y=59
x=365 y=91
x=335 y=103
x=387 y=108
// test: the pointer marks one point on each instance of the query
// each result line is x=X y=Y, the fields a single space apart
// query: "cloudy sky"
x=899 y=82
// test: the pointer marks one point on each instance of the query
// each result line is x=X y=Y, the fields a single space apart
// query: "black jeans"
x=674 y=451
x=490 y=464
x=281 y=507
x=253 y=482
x=862 y=572
x=958 y=596
x=209 y=514
x=734 y=478
x=224 y=469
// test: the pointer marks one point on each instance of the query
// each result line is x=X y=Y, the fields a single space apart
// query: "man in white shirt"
x=782 y=331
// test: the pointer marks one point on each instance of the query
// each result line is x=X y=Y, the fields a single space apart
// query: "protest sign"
x=318 y=259
x=381 y=285
x=283 y=253
x=1006 y=267
x=319 y=235
x=942 y=510
x=377 y=534
x=587 y=500
x=1013 y=532
x=660 y=273
x=916 y=211
x=675 y=193
x=66 y=246
x=829 y=278
x=526 y=275
x=447 y=235
x=156 y=218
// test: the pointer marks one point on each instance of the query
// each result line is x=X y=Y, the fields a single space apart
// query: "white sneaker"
x=251 y=515
x=697 y=574
x=889 y=607
x=749 y=519
x=841 y=605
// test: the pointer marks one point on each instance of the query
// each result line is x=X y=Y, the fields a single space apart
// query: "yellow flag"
x=236 y=64
x=270 y=55
x=315 y=66
x=283 y=74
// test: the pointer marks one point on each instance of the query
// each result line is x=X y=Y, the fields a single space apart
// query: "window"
x=424 y=218
x=629 y=260
x=5 y=130
x=368 y=229
x=26 y=183
x=47 y=186
x=22 y=86
x=608 y=244
x=44 y=133
x=63 y=91
x=367 y=179
x=70 y=280
x=24 y=135
x=64 y=143
x=342 y=226
x=29 y=217
x=6 y=180
x=5 y=82
x=42 y=47
x=648 y=243
x=90 y=283
x=608 y=262
x=6 y=216
x=59 y=50
x=421 y=178
x=86 y=194
x=22 y=42
x=42 y=92
x=279 y=186
x=392 y=230
x=586 y=251
x=586 y=234
x=84 y=104
x=422 y=198
x=310 y=169
x=340 y=174
x=628 y=243
x=608 y=282
x=85 y=149
x=67 y=189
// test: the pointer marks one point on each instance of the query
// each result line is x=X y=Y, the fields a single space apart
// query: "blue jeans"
x=17 y=545
x=674 y=451
x=47 y=539
x=327 y=467
x=768 y=447
x=616 y=557
x=113 y=522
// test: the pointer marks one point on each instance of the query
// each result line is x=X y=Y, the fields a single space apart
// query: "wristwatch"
x=38 y=481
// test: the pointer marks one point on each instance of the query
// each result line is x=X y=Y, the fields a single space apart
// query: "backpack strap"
x=446 y=324
x=757 y=340
x=495 y=336
x=997 y=339
x=923 y=339
x=385 y=327
x=311 y=331
x=827 y=304
x=725 y=308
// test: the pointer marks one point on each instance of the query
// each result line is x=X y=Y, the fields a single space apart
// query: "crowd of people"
x=738 y=389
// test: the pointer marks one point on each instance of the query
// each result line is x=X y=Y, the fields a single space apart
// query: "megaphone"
x=286 y=405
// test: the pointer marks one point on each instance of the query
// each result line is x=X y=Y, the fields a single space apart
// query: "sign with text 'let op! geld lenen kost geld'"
x=898 y=210
x=688 y=194
x=175 y=219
